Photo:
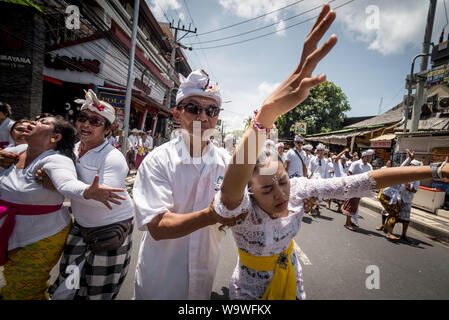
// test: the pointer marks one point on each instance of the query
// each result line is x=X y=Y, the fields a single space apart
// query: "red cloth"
x=4 y=144
x=139 y=159
x=10 y=210
x=350 y=206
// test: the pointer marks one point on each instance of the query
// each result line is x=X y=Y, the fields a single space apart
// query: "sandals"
x=349 y=227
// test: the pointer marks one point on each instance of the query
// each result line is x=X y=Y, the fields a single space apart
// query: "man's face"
x=187 y=119
x=298 y=145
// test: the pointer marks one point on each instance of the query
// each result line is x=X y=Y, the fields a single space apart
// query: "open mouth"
x=282 y=205
x=85 y=133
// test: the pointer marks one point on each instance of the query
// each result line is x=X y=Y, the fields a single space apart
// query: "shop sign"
x=114 y=99
x=72 y=63
x=381 y=144
x=437 y=76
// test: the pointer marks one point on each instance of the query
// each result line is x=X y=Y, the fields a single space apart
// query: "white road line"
x=302 y=256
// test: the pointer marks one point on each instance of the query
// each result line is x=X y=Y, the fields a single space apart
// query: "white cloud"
x=400 y=23
x=243 y=104
x=158 y=7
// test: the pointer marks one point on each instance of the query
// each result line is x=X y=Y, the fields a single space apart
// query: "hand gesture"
x=296 y=87
x=7 y=158
x=346 y=150
x=103 y=194
x=43 y=179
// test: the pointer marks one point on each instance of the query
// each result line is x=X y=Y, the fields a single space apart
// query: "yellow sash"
x=283 y=283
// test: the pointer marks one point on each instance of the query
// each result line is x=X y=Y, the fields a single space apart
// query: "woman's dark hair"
x=68 y=133
x=17 y=123
x=6 y=109
x=266 y=155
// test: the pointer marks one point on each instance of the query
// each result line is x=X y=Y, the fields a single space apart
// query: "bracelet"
x=440 y=169
x=437 y=169
x=259 y=126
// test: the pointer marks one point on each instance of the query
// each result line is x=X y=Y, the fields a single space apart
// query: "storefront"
x=383 y=145
x=96 y=64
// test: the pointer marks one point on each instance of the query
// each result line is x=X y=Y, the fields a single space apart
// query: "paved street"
x=335 y=259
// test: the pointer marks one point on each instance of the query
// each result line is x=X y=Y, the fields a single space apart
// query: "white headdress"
x=197 y=84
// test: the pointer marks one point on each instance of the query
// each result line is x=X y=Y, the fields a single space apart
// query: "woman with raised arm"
x=33 y=222
x=268 y=267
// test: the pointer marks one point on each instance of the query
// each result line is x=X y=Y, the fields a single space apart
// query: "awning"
x=385 y=137
x=338 y=138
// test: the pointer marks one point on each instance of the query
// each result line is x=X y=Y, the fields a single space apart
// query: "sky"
x=377 y=40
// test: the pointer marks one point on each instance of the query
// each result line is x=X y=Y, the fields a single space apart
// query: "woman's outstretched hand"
x=103 y=194
x=296 y=87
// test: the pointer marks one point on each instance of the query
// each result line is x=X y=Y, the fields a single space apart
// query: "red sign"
x=381 y=144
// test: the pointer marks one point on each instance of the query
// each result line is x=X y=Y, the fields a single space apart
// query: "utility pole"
x=175 y=44
x=380 y=106
x=419 y=98
x=129 y=85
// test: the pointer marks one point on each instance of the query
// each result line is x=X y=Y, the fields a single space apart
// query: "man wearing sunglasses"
x=173 y=189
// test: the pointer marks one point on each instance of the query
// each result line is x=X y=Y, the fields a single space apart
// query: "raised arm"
x=287 y=96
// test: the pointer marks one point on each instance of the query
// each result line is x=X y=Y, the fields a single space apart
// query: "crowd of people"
x=184 y=191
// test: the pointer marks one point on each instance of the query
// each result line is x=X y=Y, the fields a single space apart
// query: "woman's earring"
x=52 y=140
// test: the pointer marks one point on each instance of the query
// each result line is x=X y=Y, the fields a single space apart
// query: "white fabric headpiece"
x=321 y=147
x=92 y=103
x=197 y=84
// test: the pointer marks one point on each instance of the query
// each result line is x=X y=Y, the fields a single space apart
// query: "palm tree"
x=247 y=122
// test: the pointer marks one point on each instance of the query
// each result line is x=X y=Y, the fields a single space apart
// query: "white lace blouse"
x=260 y=235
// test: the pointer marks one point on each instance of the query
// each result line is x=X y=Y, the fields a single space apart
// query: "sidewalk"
x=435 y=226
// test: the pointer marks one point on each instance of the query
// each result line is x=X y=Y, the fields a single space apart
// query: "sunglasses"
x=211 y=111
x=97 y=122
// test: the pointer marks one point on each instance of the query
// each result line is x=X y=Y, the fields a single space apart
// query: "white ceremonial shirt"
x=320 y=169
x=133 y=141
x=20 y=186
x=358 y=167
x=168 y=181
x=5 y=131
x=110 y=165
x=295 y=164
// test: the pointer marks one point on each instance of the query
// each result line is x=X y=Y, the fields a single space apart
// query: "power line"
x=270 y=33
x=248 y=20
x=205 y=56
x=264 y=27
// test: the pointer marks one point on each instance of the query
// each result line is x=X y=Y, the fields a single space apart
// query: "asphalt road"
x=335 y=262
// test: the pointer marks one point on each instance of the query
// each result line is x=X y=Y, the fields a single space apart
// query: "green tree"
x=323 y=111
x=247 y=122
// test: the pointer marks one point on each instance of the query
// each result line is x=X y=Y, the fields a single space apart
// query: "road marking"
x=302 y=256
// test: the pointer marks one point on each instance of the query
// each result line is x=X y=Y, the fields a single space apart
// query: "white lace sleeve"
x=355 y=186
x=221 y=209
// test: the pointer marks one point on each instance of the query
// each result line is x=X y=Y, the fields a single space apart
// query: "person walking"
x=351 y=207
x=295 y=159
x=100 y=240
x=174 y=186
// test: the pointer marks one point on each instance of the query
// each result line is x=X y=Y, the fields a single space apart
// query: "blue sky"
x=371 y=59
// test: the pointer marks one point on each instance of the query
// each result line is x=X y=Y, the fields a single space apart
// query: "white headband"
x=197 y=84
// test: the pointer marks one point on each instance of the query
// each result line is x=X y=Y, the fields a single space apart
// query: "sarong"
x=350 y=206
x=27 y=270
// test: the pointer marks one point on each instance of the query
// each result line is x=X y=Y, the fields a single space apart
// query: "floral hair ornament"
x=92 y=103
